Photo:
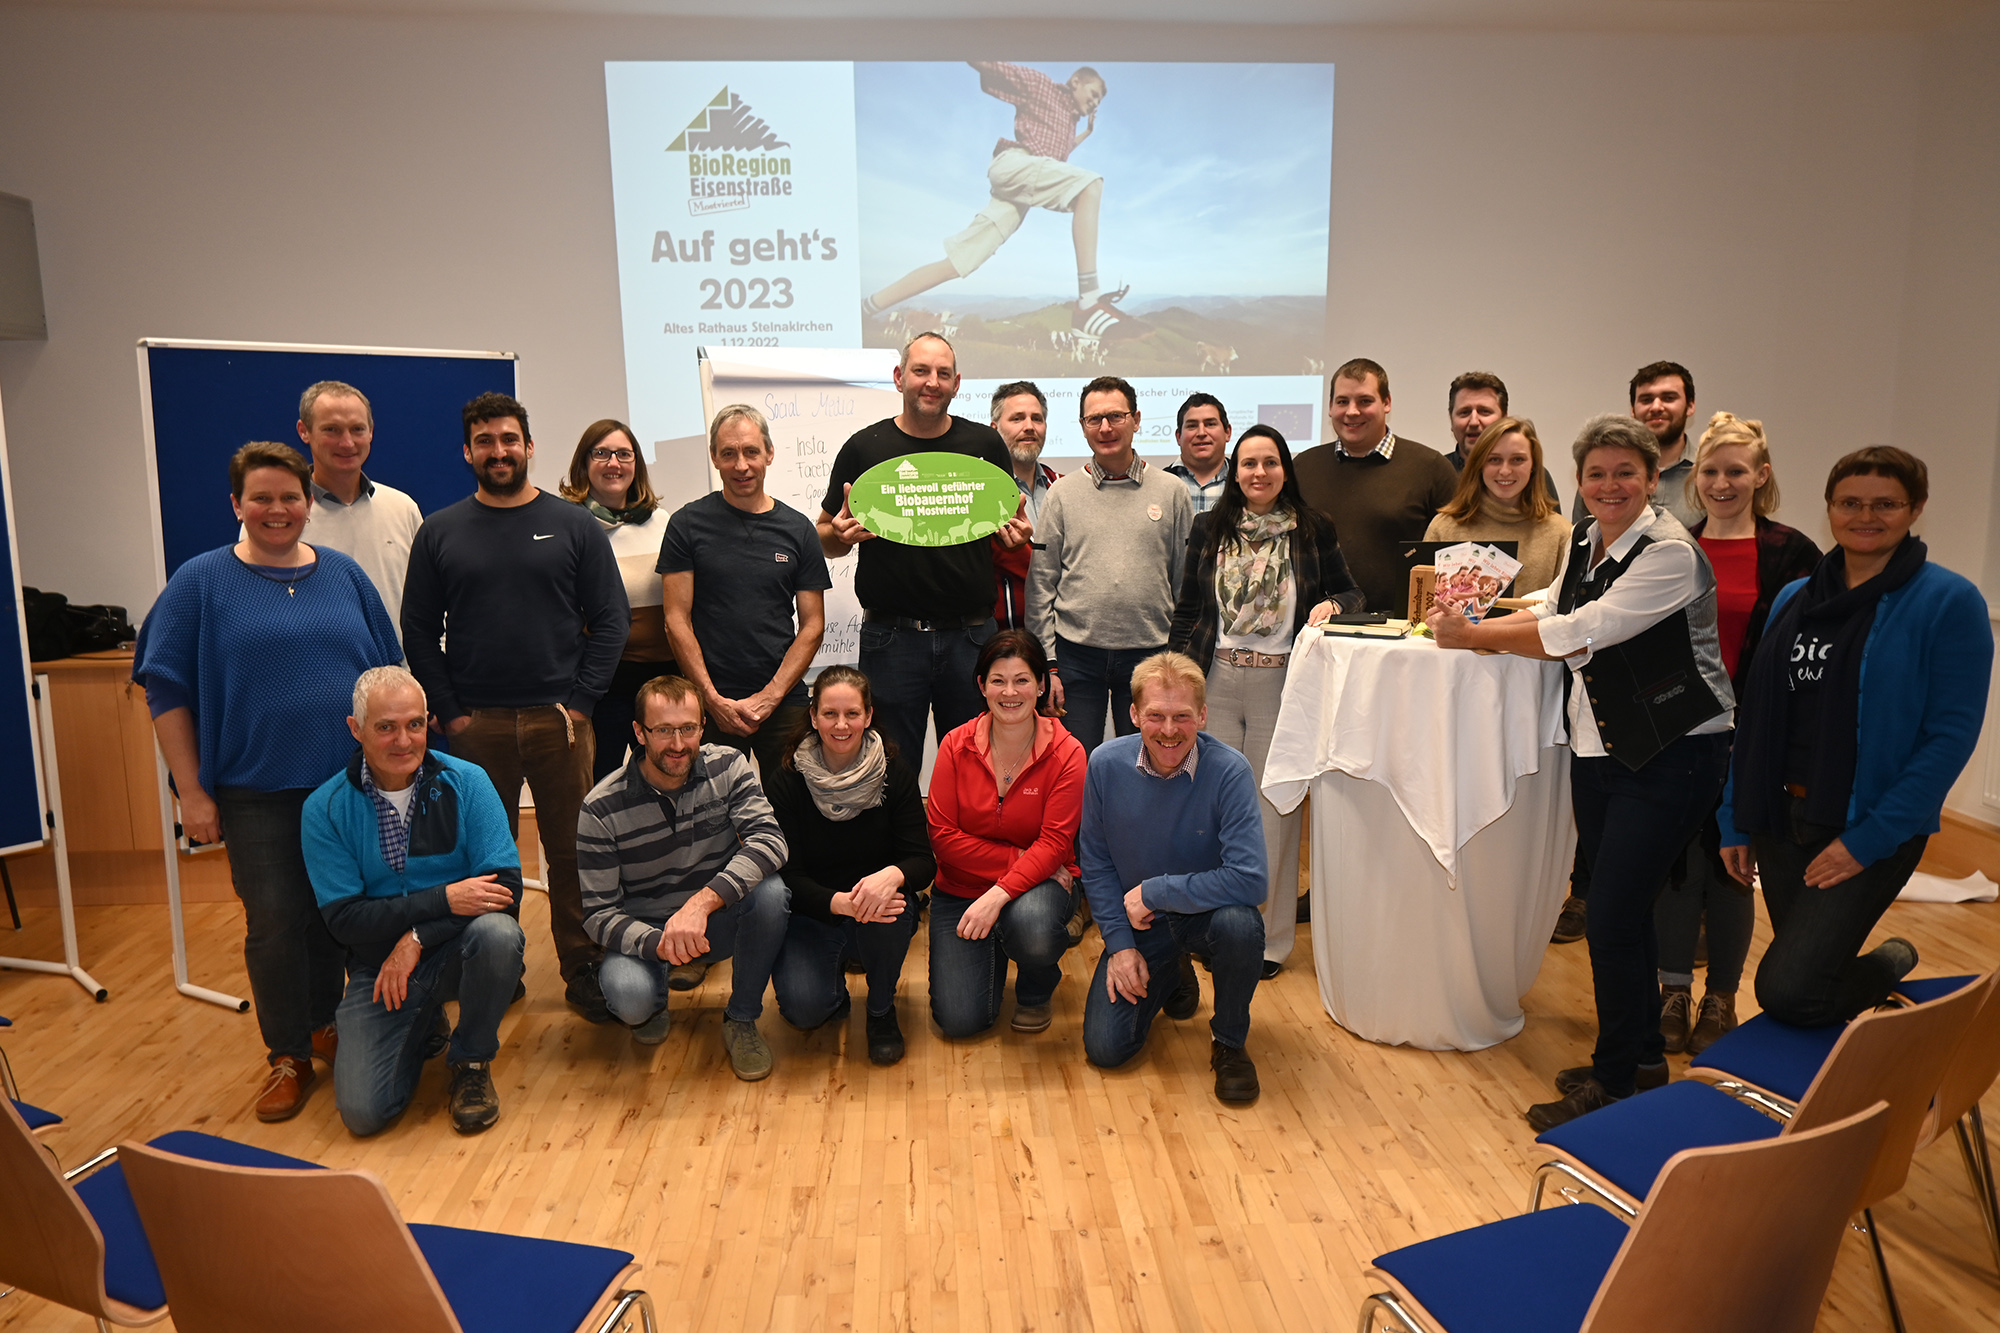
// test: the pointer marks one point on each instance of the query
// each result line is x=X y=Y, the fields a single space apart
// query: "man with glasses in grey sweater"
x=1101 y=591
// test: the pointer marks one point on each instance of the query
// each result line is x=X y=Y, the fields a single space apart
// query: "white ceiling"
x=1627 y=15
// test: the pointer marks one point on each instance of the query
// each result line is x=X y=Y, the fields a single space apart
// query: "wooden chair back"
x=1741 y=1238
x=246 y=1250
x=49 y=1243
x=1897 y=1056
x=1975 y=1064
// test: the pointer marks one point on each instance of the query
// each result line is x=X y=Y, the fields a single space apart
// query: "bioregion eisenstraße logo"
x=732 y=157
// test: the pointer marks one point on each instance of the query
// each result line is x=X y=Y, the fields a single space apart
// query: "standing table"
x=1441 y=831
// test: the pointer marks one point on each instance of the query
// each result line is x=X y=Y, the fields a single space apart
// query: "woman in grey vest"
x=1649 y=711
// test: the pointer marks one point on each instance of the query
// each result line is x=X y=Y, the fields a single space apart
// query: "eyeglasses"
x=1107 y=419
x=603 y=455
x=687 y=731
x=1879 y=508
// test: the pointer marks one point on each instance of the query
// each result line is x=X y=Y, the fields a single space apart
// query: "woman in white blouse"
x=1633 y=617
x=607 y=476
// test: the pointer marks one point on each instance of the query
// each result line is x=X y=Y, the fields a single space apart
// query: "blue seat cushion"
x=1536 y=1273
x=499 y=1282
x=1922 y=990
x=130 y=1275
x=6 y=1022
x=1773 y=1055
x=1628 y=1142
x=36 y=1117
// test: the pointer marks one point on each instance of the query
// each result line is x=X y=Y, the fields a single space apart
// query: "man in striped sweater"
x=678 y=853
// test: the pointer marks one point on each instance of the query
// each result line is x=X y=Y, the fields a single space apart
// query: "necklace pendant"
x=291 y=590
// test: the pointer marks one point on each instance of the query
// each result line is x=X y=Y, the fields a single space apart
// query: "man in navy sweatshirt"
x=1172 y=852
x=538 y=620
x=416 y=873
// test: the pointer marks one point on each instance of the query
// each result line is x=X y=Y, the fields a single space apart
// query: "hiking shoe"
x=1676 y=1017
x=586 y=996
x=1716 y=1020
x=1571 y=923
x=475 y=1106
x=885 y=1038
x=687 y=976
x=438 y=1040
x=1235 y=1076
x=1899 y=954
x=1187 y=995
x=654 y=1030
x=1033 y=1017
x=749 y=1055
x=1589 y=1096
x=285 y=1088
x=1649 y=1077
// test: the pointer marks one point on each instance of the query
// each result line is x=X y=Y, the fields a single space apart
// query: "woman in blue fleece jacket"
x=1859 y=713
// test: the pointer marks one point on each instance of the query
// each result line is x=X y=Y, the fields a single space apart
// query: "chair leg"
x=618 y=1320
x=1882 y=1268
x=7 y=882
x=1382 y=1303
x=1978 y=1154
x=1594 y=1193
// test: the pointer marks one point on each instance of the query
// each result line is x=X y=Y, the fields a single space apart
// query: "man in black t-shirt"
x=926 y=611
x=740 y=566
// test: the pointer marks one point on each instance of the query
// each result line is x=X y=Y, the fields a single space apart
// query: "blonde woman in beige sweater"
x=1501 y=499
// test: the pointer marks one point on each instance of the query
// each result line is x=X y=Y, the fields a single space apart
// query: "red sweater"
x=981 y=840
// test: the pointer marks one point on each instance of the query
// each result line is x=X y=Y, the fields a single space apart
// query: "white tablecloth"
x=1442 y=833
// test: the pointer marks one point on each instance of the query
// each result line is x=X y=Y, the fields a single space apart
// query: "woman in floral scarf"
x=1260 y=566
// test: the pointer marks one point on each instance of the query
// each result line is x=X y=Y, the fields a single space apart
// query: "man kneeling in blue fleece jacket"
x=417 y=875
x=1172 y=854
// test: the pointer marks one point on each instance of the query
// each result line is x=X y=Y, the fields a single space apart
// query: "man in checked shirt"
x=1032 y=170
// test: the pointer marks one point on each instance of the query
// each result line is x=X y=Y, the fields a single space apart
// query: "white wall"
x=1804 y=221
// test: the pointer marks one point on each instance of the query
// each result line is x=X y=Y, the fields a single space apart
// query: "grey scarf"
x=843 y=795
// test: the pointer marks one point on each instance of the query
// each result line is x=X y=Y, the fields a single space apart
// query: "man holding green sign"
x=926 y=610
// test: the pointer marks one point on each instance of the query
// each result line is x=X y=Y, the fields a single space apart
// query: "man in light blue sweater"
x=1172 y=853
x=416 y=873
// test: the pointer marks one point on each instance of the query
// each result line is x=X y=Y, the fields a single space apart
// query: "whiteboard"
x=814 y=399
x=22 y=814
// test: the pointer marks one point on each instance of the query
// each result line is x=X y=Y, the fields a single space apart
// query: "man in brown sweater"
x=1380 y=490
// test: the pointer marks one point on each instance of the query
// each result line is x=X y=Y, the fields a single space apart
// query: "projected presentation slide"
x=1057 y=220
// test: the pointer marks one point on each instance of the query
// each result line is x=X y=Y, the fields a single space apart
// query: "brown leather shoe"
x=1676 y=1017
x=326 y=1043
x=285 y=1089
x=1715 y=1021
x=1571 y=921
x=1590 y=1096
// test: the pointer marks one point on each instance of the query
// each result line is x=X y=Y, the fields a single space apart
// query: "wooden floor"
x=997 y=1183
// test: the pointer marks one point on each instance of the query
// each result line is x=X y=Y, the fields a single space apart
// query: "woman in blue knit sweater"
x=248 y=660
x=1861 y=708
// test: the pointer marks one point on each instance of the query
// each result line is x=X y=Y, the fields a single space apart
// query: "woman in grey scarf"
x=860 y=853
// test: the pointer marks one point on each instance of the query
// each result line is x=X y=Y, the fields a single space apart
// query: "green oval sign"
x=934 y=499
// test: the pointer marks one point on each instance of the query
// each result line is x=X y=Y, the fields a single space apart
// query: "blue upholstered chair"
x=35 y=1116
x=1760 y=1222
x=1613 y=1155
x=1772 y=1064
x=243 y=1249
x=74 y=1238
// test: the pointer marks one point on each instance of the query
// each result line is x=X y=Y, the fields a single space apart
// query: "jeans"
x=1093 y=678
x=810 y=978
x=611 y=717
x=1811 y=975
x=1243 y=714
x=751 y=930
x=1708 y=891
x=554 y=754
x=1232 y=939
x=1631 y=827
x=767 y=743
x=382 y=1050
x=920 y=674
x=968 y=977
x=297 y=968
